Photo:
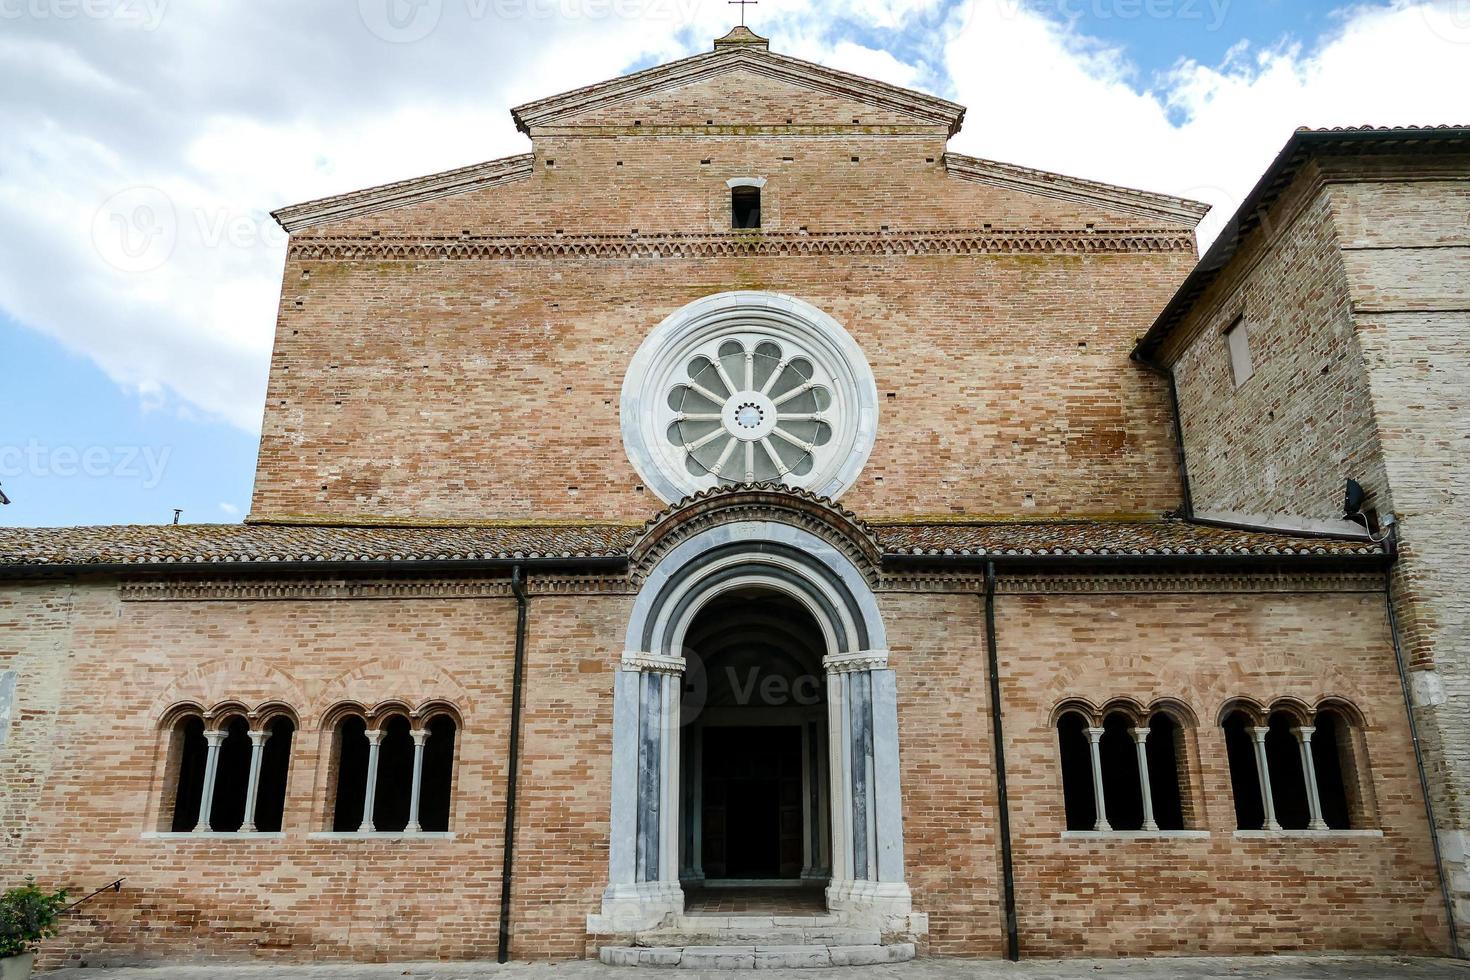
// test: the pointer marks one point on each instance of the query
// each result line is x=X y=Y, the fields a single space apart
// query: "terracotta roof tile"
x=241 y=543
x=1075 y=538
x=151 y=545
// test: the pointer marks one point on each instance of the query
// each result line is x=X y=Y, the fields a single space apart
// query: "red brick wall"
x=1223 y=894
x=428 y=388
x=93 y=778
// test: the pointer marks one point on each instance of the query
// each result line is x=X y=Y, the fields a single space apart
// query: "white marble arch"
x=862 y=708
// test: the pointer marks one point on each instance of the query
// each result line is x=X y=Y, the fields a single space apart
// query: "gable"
x=735 y=76
x=743 y=96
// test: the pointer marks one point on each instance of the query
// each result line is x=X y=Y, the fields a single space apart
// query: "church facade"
x=742 y=523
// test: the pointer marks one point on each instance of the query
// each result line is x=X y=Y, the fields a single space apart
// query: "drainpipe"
x=1007 y=862
x=1187 y=508
x=1398 y=656
x=518 y=588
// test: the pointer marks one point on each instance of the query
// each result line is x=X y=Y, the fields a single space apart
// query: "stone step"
x=688 y=933
x=756 y=956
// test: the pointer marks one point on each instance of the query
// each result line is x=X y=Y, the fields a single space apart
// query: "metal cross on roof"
x=742 y=4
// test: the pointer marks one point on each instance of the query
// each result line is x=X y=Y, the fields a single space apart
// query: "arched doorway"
x=754 y=745
x=704 y=557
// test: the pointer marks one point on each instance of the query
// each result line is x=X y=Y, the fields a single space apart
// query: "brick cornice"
x=560 y=109
x=714 y=245
x=385 y=197
x=1158 y=207
x=278 y=590
x=1160 y=584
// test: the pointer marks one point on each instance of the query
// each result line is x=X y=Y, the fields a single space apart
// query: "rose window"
x=748 y=388
x=750 y=412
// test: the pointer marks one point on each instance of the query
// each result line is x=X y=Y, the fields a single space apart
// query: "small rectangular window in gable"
x=745 y=207
x=1240 y=352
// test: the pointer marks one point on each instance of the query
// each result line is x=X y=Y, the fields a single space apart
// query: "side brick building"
x=1345 y=278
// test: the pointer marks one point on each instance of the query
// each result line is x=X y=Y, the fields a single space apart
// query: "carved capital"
x=848 y=663
x=653 y=663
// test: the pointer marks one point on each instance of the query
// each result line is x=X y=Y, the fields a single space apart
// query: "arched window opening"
x=231 y=778
x=275 y=762
x=349 y=776
x=438 y=774
x=1245 y=781
x=1288 y=779
x=1077 y=792
x=187 y=754
x=1167 y=772
x=1332 y=756
x=1122 y=786
x=395 y=776
x=745 y=207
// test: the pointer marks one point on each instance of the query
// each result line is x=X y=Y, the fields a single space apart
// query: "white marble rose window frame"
x=749 y=387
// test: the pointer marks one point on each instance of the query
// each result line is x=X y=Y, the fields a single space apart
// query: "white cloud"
x=142 y=154
x=229 y=509
x=1202 y=131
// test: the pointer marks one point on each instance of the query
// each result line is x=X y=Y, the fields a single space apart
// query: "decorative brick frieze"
x=185 y=590
x=1163 y=584
x=665 y=246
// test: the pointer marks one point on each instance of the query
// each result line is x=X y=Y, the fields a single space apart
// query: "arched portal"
x=754 y=743
x=721 y=554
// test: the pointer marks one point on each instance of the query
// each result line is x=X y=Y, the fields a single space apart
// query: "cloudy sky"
x=143 y=143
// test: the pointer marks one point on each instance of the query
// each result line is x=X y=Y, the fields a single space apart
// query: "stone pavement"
x=1255 y=968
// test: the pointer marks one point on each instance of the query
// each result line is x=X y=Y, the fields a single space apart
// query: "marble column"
x=1140 y=741
x=214 y=738
x=252 y=788
x=643 y=860
x=1099 y=797
x=420 y=736
x=1263 y=772
x=370 y=793
x=1309 y=773
x=867 y=817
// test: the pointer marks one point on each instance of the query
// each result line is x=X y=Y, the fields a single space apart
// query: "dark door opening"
x=752 y=802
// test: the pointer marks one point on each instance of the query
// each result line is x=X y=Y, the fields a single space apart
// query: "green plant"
x=28 y=915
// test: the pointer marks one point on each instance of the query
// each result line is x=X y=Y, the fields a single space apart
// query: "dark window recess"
x=351 y=777
x=745 y=207
x=227 y=814
x=275 y=758
x=1076 y=772
x=395 y=777
x=1165 y=751
x=1288 y=780
x=1122 y=790
x=192 y=750
x=1333 y=763
x=1245 y=783
x=438 y=775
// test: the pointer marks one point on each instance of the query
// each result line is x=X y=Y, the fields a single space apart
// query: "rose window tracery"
x=749 y=410
x=748 y=387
